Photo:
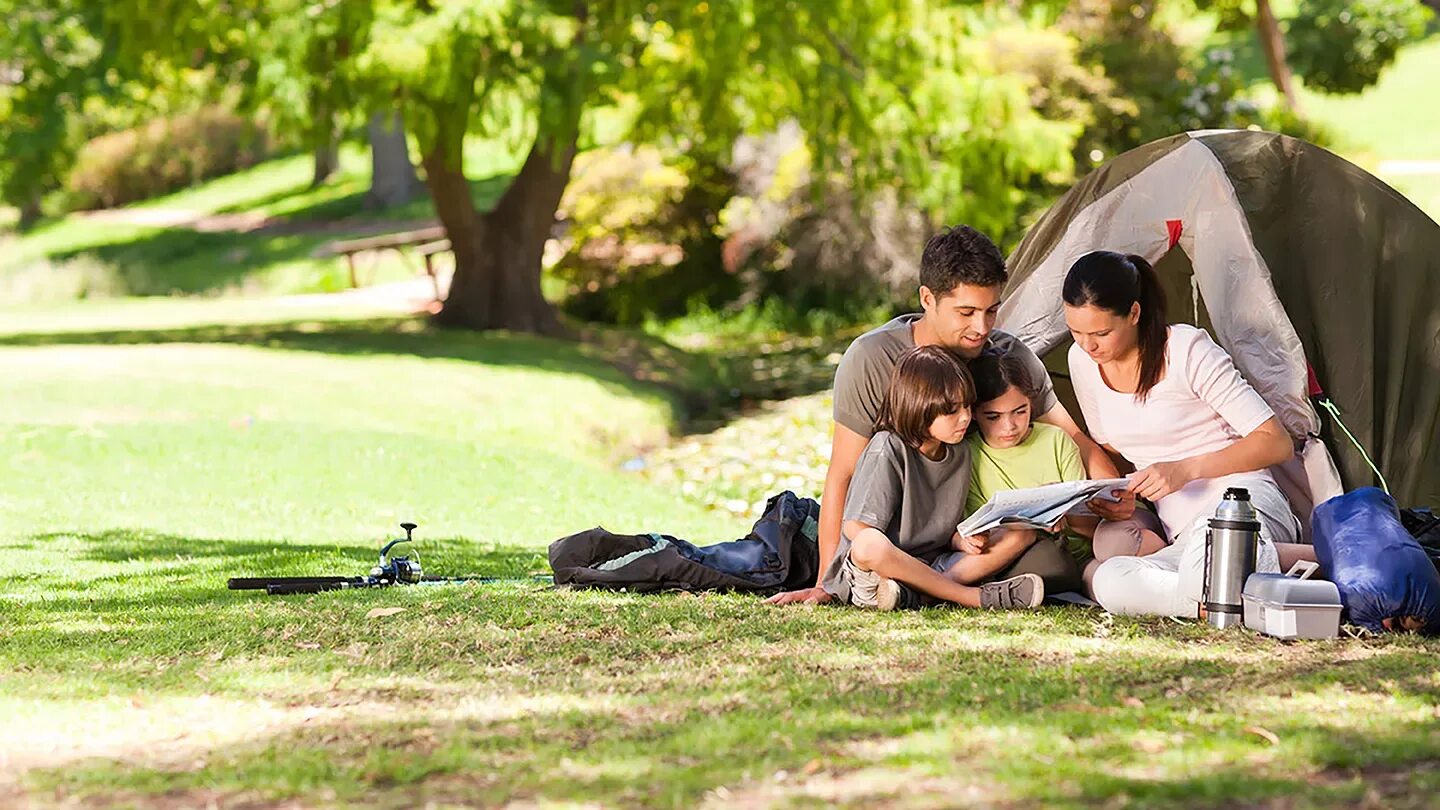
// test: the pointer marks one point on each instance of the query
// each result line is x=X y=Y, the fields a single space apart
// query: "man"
x=961 y=277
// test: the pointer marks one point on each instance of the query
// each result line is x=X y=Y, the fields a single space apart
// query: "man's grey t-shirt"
x=916 y=501
x=864 y=371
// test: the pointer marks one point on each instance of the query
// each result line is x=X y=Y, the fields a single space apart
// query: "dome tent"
x=1317 y=278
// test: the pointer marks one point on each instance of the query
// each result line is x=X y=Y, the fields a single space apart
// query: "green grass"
x=142 y=466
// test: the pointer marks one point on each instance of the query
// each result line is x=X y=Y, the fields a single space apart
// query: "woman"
x=1170 y=402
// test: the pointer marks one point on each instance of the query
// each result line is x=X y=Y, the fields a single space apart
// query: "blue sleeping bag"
x=1382 y=572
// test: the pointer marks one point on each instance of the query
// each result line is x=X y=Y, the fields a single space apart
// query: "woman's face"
x=1005 y=420
x=949 y=428
x=1101 y=333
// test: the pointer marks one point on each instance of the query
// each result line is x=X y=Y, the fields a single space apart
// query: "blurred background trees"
x=668 y=157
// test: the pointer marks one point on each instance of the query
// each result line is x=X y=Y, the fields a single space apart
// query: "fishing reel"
x=404 y=570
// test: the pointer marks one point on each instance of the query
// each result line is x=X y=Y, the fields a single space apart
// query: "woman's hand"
x=974 y=544
x=1161 y=479
x=1107 y=509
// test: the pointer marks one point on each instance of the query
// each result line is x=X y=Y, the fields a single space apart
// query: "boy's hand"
x=1112 y=510
x=974 y=544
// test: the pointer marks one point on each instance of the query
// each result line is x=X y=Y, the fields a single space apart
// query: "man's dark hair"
x=961 y=255
x=927 y=382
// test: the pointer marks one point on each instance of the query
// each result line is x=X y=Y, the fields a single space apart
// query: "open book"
x=1038 y=507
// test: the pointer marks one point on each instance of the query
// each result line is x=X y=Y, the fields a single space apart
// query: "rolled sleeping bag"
x=1381 y=571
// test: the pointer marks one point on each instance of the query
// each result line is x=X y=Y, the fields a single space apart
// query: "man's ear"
x=927 y=299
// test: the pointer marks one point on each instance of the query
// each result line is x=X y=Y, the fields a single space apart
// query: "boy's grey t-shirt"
x=914 y=500
x=864 y=371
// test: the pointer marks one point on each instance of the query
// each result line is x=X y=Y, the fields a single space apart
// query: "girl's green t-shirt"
x=1047 y=456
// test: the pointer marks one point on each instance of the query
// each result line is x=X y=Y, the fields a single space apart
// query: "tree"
x=1338 y=46
x=392 y=176
x=1342 y=46
x=694 y=72
x=52 y=58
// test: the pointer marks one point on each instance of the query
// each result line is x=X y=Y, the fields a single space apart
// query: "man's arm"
x=845 y=448
x=1098 y=463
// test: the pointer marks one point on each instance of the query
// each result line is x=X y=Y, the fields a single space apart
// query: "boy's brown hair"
x=927 y=382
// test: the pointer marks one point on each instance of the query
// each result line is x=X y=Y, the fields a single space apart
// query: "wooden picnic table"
x=427 y=242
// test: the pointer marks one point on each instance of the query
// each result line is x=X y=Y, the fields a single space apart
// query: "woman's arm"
x=1265 y=446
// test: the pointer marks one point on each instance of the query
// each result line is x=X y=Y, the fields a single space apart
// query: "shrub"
x=1341 y=46
x=162 y=156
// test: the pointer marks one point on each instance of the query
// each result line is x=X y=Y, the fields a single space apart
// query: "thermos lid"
x=1237 y=494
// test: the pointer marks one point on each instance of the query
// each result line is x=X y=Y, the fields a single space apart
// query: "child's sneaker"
x=1016 y=593
x=891 y=595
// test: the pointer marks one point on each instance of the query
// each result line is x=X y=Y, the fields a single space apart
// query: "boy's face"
x=949 y=428
x=962 y=317
x=1005 y=420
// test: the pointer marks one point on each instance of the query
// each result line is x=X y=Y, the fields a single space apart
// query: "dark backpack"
x=780 y=553
x=1424 y=526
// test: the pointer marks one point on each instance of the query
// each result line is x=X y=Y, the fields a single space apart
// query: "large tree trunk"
x=327 y=160
x=497 y=255
x=1273 y=43
x=327 y=144
x=30 y=212
x=392 y=175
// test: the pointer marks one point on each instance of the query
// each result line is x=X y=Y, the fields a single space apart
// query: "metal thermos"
x=1231 y=546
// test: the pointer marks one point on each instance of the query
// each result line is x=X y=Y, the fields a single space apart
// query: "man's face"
x=962 y=318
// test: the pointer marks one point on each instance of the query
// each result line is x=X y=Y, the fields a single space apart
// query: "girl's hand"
x=1112 y=510
x=1158 y=480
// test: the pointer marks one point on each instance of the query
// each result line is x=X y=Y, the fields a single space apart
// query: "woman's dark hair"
x=995 y=373
x=927 y=382
x=1115 y=282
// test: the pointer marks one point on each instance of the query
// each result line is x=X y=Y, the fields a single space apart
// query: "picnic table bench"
x=426 y=242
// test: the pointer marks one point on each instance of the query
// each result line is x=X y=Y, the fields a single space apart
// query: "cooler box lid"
x=1285 y=591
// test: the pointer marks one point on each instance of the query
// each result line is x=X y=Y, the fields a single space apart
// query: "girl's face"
x=1101 y=333
x=949 y=428
x=1005 y=420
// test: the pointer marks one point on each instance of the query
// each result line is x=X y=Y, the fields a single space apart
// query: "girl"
x=1008 y=450
x=898 y=535
x=1169 y=402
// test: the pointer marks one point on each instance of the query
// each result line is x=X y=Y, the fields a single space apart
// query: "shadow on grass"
x=190 y=573
x=648 y=707
x=710 y=387
x=485 y=192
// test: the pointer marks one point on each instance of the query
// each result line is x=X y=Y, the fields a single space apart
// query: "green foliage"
x=615 y=212
x=52 y=58
x=162 y=156
x=1169 y=87
x=1342 y=46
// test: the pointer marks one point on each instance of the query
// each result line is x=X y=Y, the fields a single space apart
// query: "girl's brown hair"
x=994 y=374
x=927 y=382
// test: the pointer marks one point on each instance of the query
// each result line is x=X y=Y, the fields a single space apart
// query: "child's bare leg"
x=872 y=551
x=1001 y=552
x=1291 y=553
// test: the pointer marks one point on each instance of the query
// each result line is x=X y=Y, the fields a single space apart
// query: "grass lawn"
x=143 y=468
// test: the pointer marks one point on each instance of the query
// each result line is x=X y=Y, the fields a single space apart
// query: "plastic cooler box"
x=1287 y=606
